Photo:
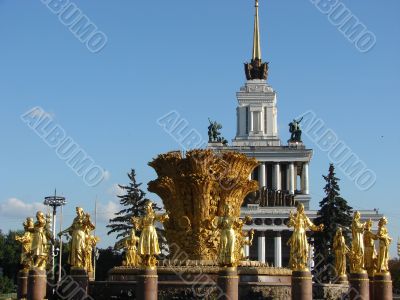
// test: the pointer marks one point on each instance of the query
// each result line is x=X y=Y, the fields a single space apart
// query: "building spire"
x=256 y=36
x=256 y=69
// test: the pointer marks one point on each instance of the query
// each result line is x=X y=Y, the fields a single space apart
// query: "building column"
x=261 y=246
x=276 y=177
x=311 y=262
x=305 y=189
x=278 y=250
x=251 y=127
x=261 y=175
x=291 y=180
x=246 y=249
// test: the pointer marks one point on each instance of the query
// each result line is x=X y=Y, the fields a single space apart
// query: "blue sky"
x=188 y=57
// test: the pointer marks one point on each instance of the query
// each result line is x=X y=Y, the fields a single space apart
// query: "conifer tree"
x=334 y=213
x=133 y=202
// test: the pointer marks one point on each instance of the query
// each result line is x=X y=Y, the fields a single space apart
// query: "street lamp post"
x=54 y=202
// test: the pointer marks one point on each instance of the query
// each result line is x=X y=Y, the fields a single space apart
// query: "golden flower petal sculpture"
x=194 y=189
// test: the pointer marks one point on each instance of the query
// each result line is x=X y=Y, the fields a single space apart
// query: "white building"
x=283 y=173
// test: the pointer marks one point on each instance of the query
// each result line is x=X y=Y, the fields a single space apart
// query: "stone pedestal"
x=37 y=284
x=22 y=282
x=301 y=285
x=342 y=279
x=359 y=286
x=371 y=287
x=147 y=285
x=228 y=284
x=81 y=284
x=383 y=287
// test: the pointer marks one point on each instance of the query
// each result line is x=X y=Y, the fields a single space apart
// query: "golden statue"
x=357 y=245
x=78 y=232
x=341 y=250
x=369 y=249
x=384 y=243
x=26 y=244
x=227 y=243
x=40 y=241
x=90 y=242
x=148 y=242
x=246 y=240
x=299 y=248
x=131 y=253
x=194 y=188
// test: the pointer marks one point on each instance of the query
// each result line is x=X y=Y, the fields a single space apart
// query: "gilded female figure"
x=246 y=240
x=357 y=245
x=369 y=249
x=91 y=242
x=384 y=243
x=148 y=243
x=78 y=239
x=130 y=245
x=340 y=248
x=299 y=248
x=226 y=223
x=40 y=239
x=26 y=243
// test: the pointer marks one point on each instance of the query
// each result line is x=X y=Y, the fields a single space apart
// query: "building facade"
x=283 y=171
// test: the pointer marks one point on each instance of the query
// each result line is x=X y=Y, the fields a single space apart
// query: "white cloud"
x=115 y=190
x=105 y=212
x=106 y=175
x=14 y=207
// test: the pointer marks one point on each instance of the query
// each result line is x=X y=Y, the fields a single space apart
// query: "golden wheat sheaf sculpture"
x=194 y=189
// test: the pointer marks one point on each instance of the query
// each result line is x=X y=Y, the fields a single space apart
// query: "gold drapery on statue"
x=299 y=248
x=26 y=244
x=131 y=253
x=148 y=247
x=227 y=243
x=81 y=241
x=90 y=244
x=369 y=249
x=340 y=248
x=232 y=238
x=41 y=236
x=246 y=239
x=384 y=243
x=357 y=245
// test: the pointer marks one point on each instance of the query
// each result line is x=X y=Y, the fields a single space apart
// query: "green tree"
x=6 y=285
x=334 y=213
x=394 y=267
x=133 y=202
x=108 y=258
x=10 y=253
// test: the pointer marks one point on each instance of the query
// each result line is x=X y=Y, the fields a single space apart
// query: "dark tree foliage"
x=10 y=254
x=108 y=259
x=394 y=267
x=334 y=213
x=133 y=202
x=6 y=285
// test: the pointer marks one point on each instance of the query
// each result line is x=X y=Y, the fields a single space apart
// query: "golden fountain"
x=195 y=189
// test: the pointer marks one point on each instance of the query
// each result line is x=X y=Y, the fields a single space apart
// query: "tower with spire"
x=282 y=173
x=257 y=111
x=283 y=170
x=256 y=69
